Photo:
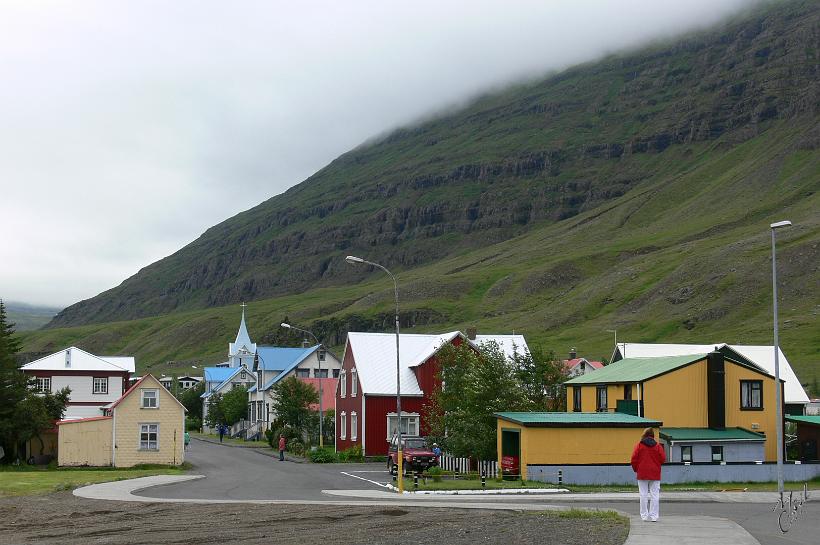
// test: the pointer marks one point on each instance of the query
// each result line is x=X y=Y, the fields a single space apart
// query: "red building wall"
x=348 y=405
x=377 y=408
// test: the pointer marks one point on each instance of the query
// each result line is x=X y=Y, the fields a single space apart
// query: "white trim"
x=103 y=381
x=354 y=387
x=354 y=426
x=409 y=417
x=43 y=389
x=343 y=425
x=139 y=436
x=143 y=391
x=343 y=384
x=364 y=421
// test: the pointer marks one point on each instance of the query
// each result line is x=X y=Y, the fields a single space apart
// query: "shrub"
x=435 y=472
x=296 y=447
x=193 y=423
x=322 y=456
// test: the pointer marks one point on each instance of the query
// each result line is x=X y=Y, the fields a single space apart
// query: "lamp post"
x=355 y=261
x=615 y=331
x=777 y=394
x=321 y=413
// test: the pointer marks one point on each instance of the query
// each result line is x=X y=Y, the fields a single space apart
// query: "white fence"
x=462 y=465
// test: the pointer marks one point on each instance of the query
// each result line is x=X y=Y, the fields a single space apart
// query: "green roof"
x=635 y=369
x=805 y=418
x=578 y=420
x=708 y=434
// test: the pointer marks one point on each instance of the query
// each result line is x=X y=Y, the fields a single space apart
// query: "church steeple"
x=242 y=350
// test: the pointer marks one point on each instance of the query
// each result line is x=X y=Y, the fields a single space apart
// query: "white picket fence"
x=462 y=465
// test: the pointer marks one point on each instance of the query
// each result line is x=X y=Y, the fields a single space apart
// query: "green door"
x=511 y=453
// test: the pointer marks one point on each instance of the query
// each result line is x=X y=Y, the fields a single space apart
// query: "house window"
x=576 y=399
x=343 y=425
x=303 y=373
x=343 y=384
x=100 y=385
x=409 y=424
x=751 y=394
x=335 y=373
x=149 y=436
x=354 y=383
x=717 y=454
x=150 y=399
x=321 y=354
x=354 y=426
x=627 y=392
x=43 y=384
x=686 y=454
x=320 y=373
x=242 y=375
x=600 y=399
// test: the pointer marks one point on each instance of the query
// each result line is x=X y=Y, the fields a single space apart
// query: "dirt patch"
x=67 y=520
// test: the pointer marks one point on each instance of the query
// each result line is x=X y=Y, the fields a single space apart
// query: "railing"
x=488 y=468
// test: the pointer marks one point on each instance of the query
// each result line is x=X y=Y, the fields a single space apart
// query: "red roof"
x=569 y=364
x=328 y=391
x=89 y=419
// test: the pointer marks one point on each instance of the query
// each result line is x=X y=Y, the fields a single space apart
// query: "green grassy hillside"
x=633 y=194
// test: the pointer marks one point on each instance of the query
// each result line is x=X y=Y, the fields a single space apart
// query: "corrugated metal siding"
x=348 y=405
x=427 y=375
x=376 y=426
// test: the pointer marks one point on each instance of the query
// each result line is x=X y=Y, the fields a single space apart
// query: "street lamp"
x=321 y=412
x=777 y=395
x=356 y=261
x=615 y=331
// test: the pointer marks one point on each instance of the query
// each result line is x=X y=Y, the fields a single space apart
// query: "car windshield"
x=415 y=443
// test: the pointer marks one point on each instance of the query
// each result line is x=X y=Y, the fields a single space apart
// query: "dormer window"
x=321 y=354
x=150 y=399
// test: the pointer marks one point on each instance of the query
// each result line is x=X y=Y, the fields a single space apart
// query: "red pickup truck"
x=417 y=455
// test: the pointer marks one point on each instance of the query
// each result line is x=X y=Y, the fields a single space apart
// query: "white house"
x=185 y=382
x=794 y=396
x=95 y=381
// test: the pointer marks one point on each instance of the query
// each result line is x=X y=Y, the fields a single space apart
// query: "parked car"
x=417 y=455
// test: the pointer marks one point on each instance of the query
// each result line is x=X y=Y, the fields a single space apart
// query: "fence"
x=488 y=468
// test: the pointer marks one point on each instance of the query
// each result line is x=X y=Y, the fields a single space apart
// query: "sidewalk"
x=261 y=447
x=670 y=530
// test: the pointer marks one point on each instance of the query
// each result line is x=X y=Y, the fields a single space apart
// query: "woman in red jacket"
x=647 y=459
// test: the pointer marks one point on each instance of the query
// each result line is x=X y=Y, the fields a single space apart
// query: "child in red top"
x=647 y=459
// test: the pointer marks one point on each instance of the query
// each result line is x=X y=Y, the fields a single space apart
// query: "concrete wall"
x=170 y=416
x=732 y=452
x=85 y=443
x=674 y=473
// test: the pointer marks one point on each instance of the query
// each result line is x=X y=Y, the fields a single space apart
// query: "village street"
x=241 y=473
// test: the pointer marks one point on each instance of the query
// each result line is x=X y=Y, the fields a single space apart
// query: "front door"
x=511 y=453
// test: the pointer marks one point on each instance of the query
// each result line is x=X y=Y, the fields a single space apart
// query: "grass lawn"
x=473 y=484
x=22 y=481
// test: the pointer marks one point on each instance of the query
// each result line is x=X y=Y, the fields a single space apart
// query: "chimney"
x=716 y=390
x=471 y=333
x=68 y=358
x=573 y=353
x=305 y=343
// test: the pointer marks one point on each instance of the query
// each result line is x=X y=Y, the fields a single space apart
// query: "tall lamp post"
x=356 y=261
x=321 y=413
x=777 y=395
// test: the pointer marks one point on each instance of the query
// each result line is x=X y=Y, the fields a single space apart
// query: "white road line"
x=368 y=471
x=363 y=479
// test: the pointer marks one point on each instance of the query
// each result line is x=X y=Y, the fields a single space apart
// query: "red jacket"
x=647 y=459
x=281 y=443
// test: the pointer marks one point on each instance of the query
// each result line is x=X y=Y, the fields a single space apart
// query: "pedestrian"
x=647 y=459
x=187 y=440
x=436 y=450
x=221 y=430
x=282 y=444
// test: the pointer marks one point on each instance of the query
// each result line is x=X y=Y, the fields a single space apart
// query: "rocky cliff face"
x=532 y=155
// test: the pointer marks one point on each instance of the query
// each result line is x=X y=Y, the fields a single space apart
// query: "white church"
x=259 y=368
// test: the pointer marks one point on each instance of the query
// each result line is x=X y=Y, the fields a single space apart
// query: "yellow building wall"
x=551 y=446
x=766 y=420
x=170 y=416
x=85 y=443
x=589 y=394
x=678 y=399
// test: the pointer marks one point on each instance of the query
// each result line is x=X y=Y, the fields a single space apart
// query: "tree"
x=191 y=399
x=228 y=408
x=541 y=376
x=13 y=385
x=477 y=385
x=292 y=401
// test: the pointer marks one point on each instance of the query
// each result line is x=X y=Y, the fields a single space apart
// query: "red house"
x=366 y=395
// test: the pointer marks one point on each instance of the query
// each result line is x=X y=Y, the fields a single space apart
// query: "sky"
x=127 y=128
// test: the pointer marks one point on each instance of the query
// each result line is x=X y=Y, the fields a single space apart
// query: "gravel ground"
x=67 y=520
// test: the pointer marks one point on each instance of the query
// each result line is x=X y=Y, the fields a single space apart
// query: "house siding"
x=376 y=427
x=348 y=405
x=85 y=443
x=129 y=415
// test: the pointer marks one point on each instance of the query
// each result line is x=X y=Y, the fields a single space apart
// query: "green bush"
x=322 y=456
x=193 y=423
x=435 y=472
x=296 y=447
x=353 y=454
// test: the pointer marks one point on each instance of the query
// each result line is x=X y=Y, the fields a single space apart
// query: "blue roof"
x=218 y=374
x=274 y=358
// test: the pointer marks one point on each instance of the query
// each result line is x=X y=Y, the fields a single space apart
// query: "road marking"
x=367 y=471
x=363 y=479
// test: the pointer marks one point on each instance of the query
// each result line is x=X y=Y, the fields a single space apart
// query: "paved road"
x=242 y=473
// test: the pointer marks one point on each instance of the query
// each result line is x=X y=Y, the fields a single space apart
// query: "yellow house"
x=527 y=440
x=714 y=408
x=144 y=426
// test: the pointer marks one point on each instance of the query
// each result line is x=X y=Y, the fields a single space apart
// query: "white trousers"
x=650 y=499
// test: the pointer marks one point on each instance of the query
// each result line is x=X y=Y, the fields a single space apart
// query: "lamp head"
x=353 y=259
x=285 y=325
x=780 y=224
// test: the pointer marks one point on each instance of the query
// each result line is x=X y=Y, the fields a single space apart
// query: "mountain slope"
x=510 y=164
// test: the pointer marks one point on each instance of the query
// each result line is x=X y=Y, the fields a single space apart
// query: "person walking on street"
x=282 y=444
x=187 y=440
x=647 y=459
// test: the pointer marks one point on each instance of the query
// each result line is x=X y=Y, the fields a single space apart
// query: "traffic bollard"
x=416 y=481
x=560 y=477
x=483 y=481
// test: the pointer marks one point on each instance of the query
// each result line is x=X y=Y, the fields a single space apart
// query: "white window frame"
x=354 y=426
x=101 y=381
x=43 y=384
x=413 y=424
x=146 y=428
x=690 y=450
x=343 y=384
x=343 y=425
x=143 y=398
x=354 y=385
